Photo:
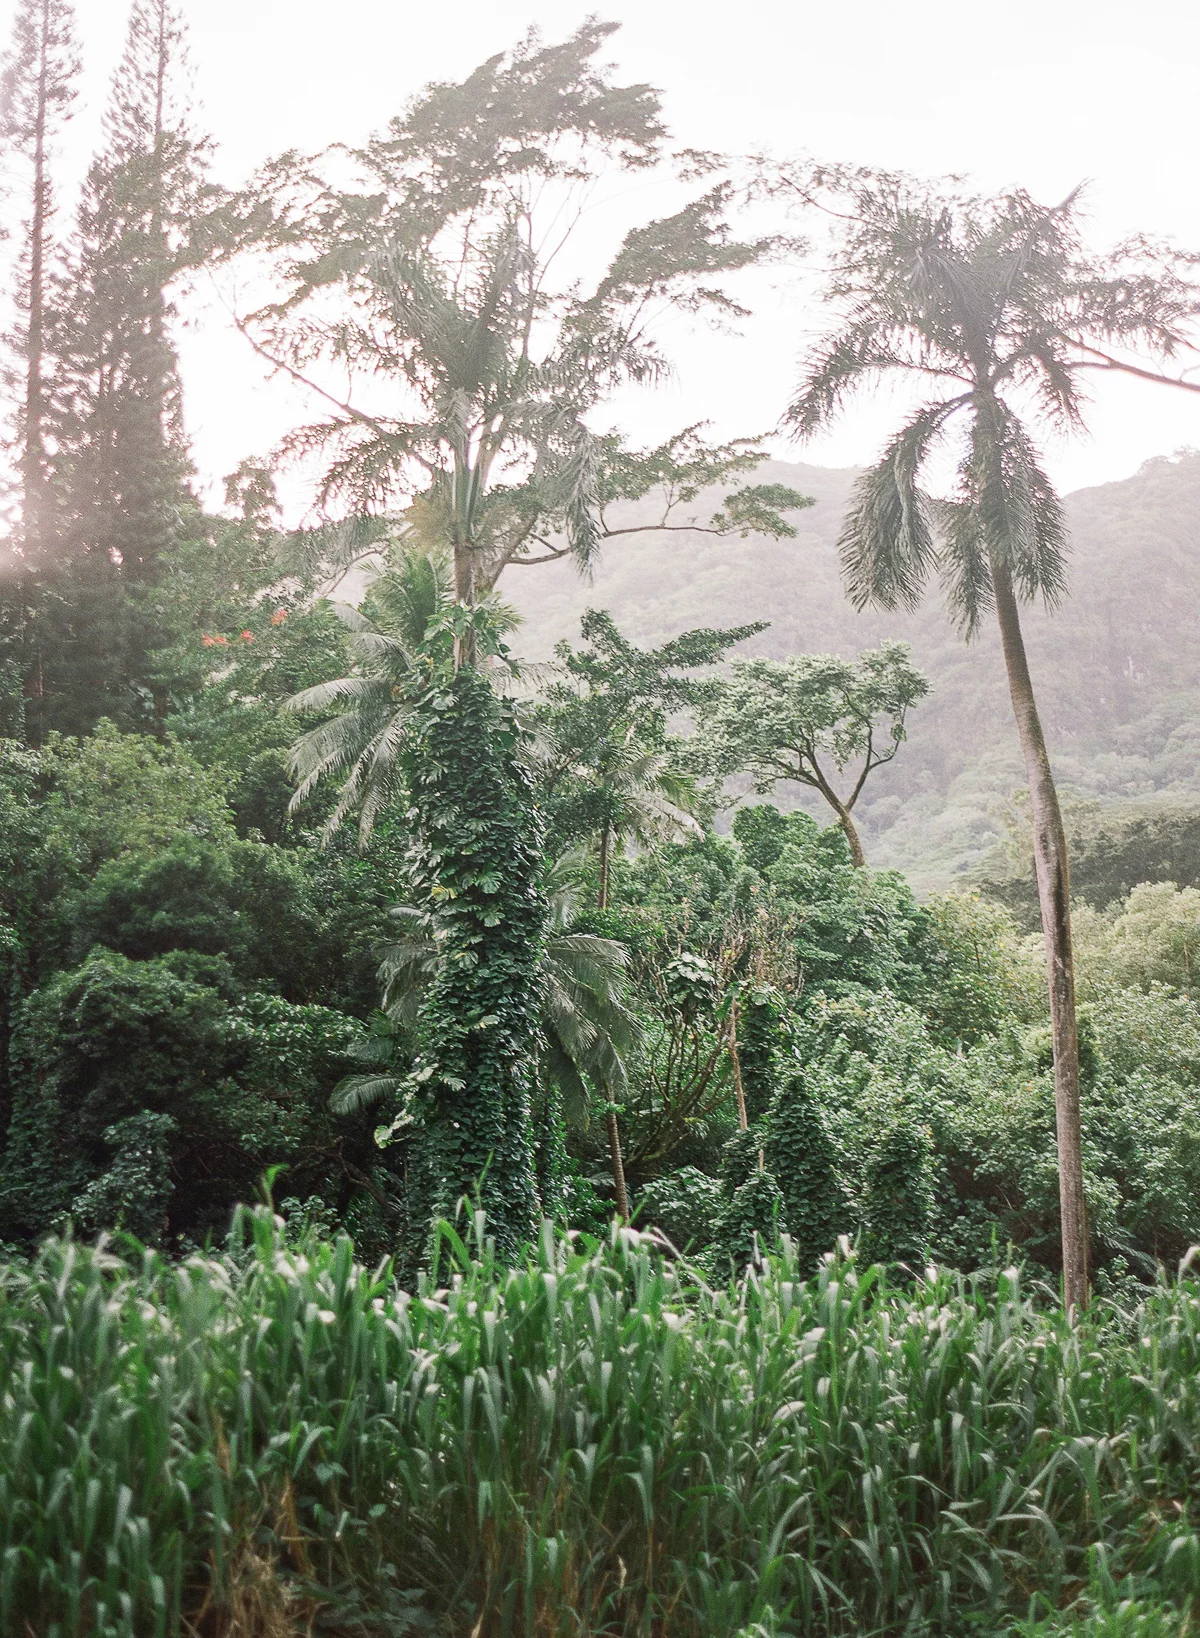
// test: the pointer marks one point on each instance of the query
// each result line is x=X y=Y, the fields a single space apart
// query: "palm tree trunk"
x=616 y=1158
x=736 y=1061
x=605 y=846
x=1054 y=898
x=618 y=1164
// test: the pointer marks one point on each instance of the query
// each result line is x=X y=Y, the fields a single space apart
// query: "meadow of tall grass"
x=277 y=1440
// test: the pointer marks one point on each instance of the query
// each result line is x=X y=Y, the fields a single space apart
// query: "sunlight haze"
x=1045 y=96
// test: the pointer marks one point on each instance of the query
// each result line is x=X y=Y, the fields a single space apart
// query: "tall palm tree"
x=993 y=307
x=586 y=1027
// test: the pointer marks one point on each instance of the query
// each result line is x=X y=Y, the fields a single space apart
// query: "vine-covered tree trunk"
x=1054 y=897
x=476 y=860
x=735 y=1060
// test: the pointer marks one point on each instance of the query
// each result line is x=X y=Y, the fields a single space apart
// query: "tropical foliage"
x=682 y=1226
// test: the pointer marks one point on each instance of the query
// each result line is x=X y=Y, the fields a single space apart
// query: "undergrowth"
x=277 y=1440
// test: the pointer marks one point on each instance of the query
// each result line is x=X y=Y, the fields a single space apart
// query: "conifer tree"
x=37 y=91
x=127 y=462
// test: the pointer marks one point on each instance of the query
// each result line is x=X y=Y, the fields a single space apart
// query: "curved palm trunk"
x=617 y=1161
x=1054 y=898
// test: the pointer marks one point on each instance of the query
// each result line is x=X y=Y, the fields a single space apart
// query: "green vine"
x=475 y=862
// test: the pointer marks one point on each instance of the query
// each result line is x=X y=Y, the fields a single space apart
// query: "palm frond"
x=851 y=358
x=360 y=1092
x=886 y=545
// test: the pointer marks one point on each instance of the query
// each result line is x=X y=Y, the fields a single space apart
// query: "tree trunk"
x=615 y=1156
x=32 y=459
x=1054 y=898
x=618 y=1164
x=464 y=593
x=605 y=844
x=735 y=1060
x=33 y=454
x=850 y=831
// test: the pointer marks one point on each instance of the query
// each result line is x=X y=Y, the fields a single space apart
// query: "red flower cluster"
x=221 y=642
x=279 y=617
x=247 y=636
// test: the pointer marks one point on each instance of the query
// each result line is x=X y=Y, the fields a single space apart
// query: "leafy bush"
x=684 y=1204
x=230 y=1086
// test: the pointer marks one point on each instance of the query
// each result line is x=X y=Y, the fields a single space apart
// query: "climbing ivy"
x=801 y=1155
x=750 y=1223
x=897 y=1201
x=762 y=1017
x=475 y=861
x=134 y=1193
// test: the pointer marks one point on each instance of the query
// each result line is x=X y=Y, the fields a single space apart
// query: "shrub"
x=685 y=1204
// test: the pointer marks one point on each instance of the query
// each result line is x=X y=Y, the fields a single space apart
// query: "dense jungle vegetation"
x=488 y=1147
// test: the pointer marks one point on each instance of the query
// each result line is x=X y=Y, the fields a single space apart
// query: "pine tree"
x=37 y=90
x=127 y=475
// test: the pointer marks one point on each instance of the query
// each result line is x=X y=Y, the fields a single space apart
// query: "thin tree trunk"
x=34 y=484
x=849 y=830
x=615 y=1156
x=618 y=1164
x=857 y=855
x=33 y=455
x=735 y=1060
x=1054 y=898
x=464 y=593
x=605 y=844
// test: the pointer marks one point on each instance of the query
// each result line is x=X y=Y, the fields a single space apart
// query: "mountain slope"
x=1117 y=667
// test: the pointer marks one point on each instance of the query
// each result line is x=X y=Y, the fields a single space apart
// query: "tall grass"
x=593 y=1443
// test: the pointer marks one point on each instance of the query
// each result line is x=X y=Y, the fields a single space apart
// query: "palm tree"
x=411 y=615
x=631 y=793
x=586 y=1028
x=607 y=766
x=992 y=306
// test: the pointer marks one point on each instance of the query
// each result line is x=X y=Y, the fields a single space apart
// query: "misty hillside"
x=1117 y=667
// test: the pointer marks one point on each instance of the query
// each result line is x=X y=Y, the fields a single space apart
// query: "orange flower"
x=208 y=641
x=224 y=641
x=279 y=617
x=247 y=636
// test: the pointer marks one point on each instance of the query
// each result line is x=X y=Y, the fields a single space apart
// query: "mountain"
x=1117 y=666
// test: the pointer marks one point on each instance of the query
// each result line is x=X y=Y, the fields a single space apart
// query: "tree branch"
x=302 y=380
x=1105 y=361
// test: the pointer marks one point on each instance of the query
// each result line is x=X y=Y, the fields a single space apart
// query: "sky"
x=1042 y=93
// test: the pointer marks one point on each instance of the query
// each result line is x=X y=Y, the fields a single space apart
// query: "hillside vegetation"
x=1117 y=667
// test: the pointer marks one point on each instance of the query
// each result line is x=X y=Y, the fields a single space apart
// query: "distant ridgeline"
x=1117 y=669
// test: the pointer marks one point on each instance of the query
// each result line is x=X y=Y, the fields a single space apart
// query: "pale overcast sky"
x=1044 y=93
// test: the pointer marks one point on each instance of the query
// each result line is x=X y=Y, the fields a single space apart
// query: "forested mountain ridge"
x=1117 y=665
